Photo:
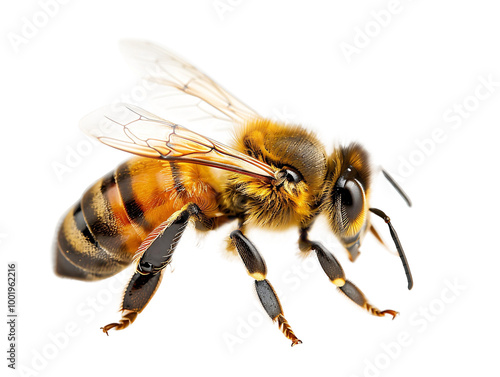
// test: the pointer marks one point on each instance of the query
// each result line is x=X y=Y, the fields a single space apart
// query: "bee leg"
x=335 y=273
x=156 y=253
x=256 y=268
x=140 y=290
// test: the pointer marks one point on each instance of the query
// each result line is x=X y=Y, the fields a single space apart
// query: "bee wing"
x=132 y=129
x=162 y=67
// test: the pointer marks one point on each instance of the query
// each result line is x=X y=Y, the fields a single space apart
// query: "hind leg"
x=155 y=254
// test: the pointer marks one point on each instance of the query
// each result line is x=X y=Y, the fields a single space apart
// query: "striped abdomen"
x=101 y=233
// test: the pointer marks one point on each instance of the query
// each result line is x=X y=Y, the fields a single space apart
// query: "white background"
x=282 y=58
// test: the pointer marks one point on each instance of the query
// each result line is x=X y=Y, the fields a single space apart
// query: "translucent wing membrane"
x=162 y=67
x=132 y=129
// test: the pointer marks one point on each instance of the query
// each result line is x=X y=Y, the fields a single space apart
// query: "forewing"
x=135 y=130
x=162 y=67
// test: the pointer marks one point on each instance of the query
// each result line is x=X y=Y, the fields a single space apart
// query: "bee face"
x=347 y=191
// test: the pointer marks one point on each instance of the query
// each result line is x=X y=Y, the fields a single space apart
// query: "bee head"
x=346 y=194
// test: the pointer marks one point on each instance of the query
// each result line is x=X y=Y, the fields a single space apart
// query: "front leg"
x=155 y=253
x=335 y=273
x=256 y=268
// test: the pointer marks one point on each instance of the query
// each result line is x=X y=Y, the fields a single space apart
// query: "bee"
x=274 y=176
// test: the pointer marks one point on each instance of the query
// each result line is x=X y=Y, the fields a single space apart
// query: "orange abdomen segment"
x=100 y=235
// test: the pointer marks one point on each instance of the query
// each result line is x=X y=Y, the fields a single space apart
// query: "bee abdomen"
x=78 y=254
x=100 y=236
x=108 y=220
x=96 y=239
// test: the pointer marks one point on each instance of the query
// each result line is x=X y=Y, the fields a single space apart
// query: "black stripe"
x=98 y=216
x=63 y=267
x=91 y=261
x=101 y=220
x=81 y=225
x=134 y=211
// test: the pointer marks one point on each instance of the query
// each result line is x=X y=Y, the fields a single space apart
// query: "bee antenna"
x=395 y=238
x=397 y=187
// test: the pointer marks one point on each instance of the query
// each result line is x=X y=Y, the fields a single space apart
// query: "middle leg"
x=256 y=268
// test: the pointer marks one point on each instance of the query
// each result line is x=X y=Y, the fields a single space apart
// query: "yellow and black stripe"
x=100 y=235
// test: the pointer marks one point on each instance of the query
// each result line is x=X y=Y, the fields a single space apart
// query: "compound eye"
x=348 y=197
x=352 y=198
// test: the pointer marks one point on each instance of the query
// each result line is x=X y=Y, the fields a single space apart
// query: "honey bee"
x=274 y=175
